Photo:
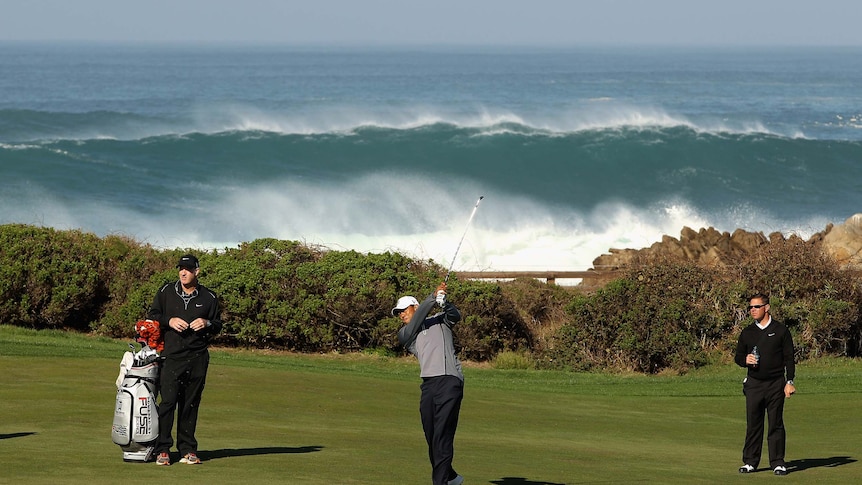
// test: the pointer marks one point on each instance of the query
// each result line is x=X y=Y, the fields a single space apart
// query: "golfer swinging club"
x=430 y=340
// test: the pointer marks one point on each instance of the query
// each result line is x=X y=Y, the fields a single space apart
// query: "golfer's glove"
x=441 y=298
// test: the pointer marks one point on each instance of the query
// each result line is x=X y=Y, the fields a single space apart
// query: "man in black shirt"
x=766 y=348
x=188 y=314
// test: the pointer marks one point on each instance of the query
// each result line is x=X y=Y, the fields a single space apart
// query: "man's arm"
x=789 y=363
x=787 y=352
x=214 y=316
x=741 y=352
x=451 y=313
x=157 y=310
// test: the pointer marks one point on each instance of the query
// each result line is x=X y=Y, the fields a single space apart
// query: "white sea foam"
x=420 y=218
x=576 y=117
x=563 y=120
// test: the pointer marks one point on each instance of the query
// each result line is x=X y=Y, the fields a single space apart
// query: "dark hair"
x=760 y=296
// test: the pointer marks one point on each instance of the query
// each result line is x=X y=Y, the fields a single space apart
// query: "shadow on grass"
x=15 y=435
x=266 y=450
x=521 y=481
x=806 y=463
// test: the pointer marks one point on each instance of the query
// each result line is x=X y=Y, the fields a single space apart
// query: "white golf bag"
x=136 y=416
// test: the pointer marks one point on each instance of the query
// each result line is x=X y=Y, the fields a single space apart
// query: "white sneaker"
x=746 y=468
x=190 y=459
x=779 y=470
x=457 y=480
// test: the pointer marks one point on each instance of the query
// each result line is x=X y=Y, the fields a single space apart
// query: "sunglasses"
x=756 y=306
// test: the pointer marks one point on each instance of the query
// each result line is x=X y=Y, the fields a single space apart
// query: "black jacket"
x=168 y=303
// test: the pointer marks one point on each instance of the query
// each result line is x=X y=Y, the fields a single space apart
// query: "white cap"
x=403 y=303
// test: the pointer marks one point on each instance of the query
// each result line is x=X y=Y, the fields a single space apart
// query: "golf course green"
x=269 y=417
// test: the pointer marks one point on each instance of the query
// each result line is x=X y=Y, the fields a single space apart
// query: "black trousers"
x=439 y=407
x=760 y=397
x=181 y=386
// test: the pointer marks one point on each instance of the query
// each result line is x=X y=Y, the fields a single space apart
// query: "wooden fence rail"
x=549 y=276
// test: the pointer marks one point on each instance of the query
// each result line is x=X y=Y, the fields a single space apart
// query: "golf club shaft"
x=462 y=237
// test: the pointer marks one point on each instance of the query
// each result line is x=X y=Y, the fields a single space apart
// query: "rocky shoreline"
x=708 y=246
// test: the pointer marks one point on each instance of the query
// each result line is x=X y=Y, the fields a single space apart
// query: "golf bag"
x=136 y=416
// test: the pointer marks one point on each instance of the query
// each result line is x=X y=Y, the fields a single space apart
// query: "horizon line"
x=393 y=45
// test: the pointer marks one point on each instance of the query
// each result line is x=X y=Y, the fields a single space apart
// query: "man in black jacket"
x=430 y=339
x=188 y=314
x=766 y=348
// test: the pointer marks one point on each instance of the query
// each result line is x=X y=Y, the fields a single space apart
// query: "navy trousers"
x=439 y=407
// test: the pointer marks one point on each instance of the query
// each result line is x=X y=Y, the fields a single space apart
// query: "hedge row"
x=672 y=314
x=286 y=295
x=275 y=294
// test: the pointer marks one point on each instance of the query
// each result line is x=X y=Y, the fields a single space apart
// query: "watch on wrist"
x=790 y=382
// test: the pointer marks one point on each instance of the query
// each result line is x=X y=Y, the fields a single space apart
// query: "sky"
x=439 y=22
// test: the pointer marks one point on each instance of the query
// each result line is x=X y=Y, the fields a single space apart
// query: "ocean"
x=575 y=150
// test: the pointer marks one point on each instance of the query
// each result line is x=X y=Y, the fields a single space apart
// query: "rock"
x=844 y=243
x=708 y=246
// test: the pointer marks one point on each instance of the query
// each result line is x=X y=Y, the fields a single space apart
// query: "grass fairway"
x=276 y=418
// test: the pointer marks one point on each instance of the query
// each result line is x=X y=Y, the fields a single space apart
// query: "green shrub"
x=50 y=279
x=490 y=322
x=134 y=273
x=672 y=314
x=250 y=281
x=810 y=294
x=540 y=306
x=663 y=315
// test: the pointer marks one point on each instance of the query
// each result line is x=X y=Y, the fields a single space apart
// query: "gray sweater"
x=430 y=339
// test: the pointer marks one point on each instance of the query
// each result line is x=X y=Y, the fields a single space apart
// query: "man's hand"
x=789 y=390
x=178 y=324
x=198 y=324
x=181 y=325
x=441 y=294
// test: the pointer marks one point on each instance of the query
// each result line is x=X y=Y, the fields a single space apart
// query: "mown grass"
x=353 y=419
